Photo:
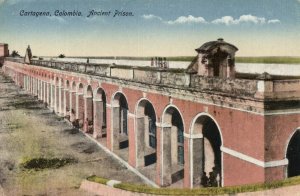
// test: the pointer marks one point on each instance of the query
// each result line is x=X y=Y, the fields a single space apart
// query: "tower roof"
x=220 y=43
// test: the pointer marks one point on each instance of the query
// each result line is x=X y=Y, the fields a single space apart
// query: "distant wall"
x=273 y=69
x=254 y=88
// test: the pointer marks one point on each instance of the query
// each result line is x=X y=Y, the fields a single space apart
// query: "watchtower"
x=215 y=59
x=3 y=52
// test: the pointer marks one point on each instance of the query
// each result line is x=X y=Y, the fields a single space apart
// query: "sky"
x=153 y=27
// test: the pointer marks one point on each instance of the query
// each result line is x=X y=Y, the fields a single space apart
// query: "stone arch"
x=67 y=85
x=74 y=86
x=206 y=151
x=120 y=139
x=56 y=80
x=100 y=113
x=292 y=153
x=145 y=133
x=80 y=88
x=173 y=145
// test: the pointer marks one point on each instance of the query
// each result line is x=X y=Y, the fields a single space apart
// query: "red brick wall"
x=278 y=130
x=238 y=172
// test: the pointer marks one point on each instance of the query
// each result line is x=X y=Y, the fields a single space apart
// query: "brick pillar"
x=109 y=127
x=140 y=139
x=44 y=92
x=72 y=105
x=61 y=100
x=115 y=114
x=88 y=111
x=132 y=141
x=187 y=163
x=57 y=99
x=33 y=86
x=98 y=117
x=48 y=93
x=39 y=89
x=164 y=165
x=36 y=86
x=80 y=107
x=29 y=84
x=66 y=101
x=158 y=154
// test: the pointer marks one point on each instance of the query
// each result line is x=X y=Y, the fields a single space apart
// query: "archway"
x=293 y=155
x=146 y=134
x=120 y=128
x=206 y=142
x=173 y=146
x=100 y=114
x=88 y=110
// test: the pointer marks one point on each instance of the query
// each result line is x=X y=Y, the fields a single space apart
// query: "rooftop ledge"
x=245 y=85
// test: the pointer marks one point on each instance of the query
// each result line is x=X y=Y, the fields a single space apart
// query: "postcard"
x=158 y=97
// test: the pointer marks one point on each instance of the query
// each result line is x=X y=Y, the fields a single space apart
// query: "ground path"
x=28 y=130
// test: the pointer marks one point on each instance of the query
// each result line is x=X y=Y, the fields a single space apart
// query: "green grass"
x=266 y=60
x=201 y=191
x=97 y=179
x=46 y=163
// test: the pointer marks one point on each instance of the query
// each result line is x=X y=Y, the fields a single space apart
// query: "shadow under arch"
x=100 y=120
x=88 y=110
x=206 y=155
x=172 y=136
x=120 y=139
x=145 y=117
x=292 y=153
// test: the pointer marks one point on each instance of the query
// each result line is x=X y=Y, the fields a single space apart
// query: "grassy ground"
x=36 y=147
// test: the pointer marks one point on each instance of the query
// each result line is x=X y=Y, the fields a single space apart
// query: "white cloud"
x=253 y=19
x=274 y=21
x=187 y=20
x=229 y=20
x=226 y=20
x=151 y=16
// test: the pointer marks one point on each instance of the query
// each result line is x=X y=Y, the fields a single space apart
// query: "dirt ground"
x=28 y=130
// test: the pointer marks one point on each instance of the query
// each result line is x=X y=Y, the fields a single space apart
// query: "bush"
x=44 y=163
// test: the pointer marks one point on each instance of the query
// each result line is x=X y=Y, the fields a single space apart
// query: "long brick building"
x=205 y=124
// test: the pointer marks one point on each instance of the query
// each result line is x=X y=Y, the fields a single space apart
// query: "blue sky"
x=158 y=27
